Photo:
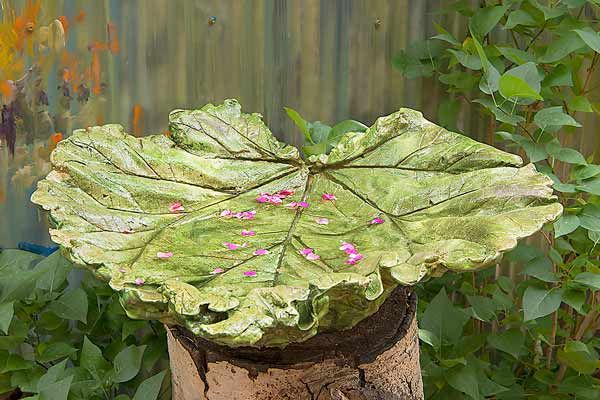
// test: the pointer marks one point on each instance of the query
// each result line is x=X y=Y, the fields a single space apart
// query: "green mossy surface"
x=447 y=201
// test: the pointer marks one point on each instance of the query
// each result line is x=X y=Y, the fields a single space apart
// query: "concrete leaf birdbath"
x=281 y=276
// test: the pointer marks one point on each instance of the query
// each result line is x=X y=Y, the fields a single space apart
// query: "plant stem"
x=514 y=38
x=587 y=321
x=589 y=73
x=535 y=37
x=550 y=347
x=527 y=132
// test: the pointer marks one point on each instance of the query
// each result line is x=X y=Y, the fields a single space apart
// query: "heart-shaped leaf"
x=554 y=116
x=591 y=38
x=539 y=302
x=513 y=87
x=225 y=230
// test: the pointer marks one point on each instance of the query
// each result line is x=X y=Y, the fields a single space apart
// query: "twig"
x=536 y=36
x=527 y=132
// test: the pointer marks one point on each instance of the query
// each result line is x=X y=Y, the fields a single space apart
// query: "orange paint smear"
x=71 y=69
x=25 y=24
x=19 y=28
x=113 y=39
x=65 y=23
x=80 y=17
x=32 y=10
x=54 y=139
x=11 y=62
x=57 y=137
x=7 y=90
x=97 y=46
x=137 y=120
x=67 y=74
x=96 y=72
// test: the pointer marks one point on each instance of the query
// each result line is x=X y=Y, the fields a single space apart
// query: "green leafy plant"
x=319 y=137
x=527 y=329
x=65 y=336
x=225 y=230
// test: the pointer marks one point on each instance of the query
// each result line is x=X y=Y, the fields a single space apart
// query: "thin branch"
x=527 y=132
x=514 y=38
x=589 y=73
x=537 y=35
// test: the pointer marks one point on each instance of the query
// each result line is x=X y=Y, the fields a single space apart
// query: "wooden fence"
x=329 y=59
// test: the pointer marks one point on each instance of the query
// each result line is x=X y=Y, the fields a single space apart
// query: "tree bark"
x=377 y=359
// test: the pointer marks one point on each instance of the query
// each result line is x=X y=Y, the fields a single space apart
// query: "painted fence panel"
x=66 y=64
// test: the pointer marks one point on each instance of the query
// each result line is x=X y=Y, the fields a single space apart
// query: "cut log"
x=377 y=359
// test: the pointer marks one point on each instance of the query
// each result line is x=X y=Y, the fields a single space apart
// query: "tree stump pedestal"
x=377 y=359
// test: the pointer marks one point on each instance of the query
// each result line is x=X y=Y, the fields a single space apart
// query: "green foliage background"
x=64 y=335
x=527 y=329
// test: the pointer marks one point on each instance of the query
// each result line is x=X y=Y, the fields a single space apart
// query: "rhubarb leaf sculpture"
x=224 y=230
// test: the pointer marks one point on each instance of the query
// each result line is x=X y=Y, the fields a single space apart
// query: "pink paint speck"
x=164 y=254
x=322 y=221
x=298 y=204
x=217 y=271
x=348 y=248
x=245 y=215
x=328 y=196
x=248 y=233
x=263 y=198
x=285 y=193
x=354 y=258
x=377 y=221
x=309 y=254
x=139 y=281
x=269 y=198
x=233 y=246
x=250 y=273
x=275 y=198
x=239 y=215
x=176 y=207
x=353 y=255
x=260 y=252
